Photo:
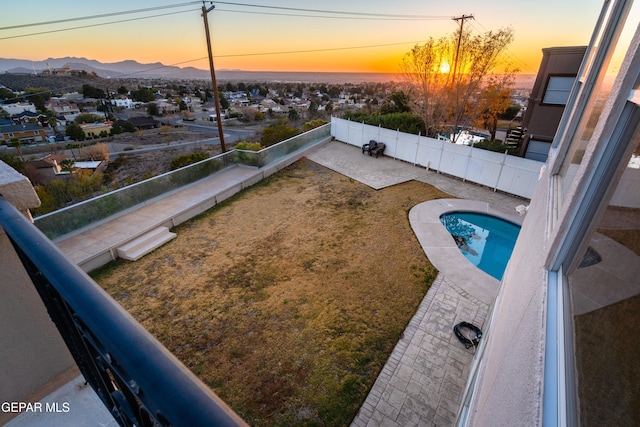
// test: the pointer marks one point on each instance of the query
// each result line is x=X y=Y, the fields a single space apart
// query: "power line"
x=93 y=25
x=519 y=61
x=104 y=15
x=390 y=18
x=333 y=12
x=327 y=14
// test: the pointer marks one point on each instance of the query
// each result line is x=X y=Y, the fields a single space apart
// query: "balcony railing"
x=77 y=216
x=140 y=382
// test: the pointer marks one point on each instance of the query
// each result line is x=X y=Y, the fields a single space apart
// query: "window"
x=595 y=81
x=593 y=262
x=558 y=90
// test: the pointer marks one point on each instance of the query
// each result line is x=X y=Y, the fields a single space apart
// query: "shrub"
x=275 y=134
x=313 y=124
x=405 y=122
x=187 y=159
x=251 y=146
x=250 y=159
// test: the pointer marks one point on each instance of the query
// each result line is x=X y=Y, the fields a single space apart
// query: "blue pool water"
x=485 y=240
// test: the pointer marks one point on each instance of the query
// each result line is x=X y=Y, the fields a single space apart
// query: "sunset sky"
x=282 y=35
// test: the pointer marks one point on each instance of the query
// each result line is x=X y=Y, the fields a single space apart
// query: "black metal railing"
x=138 y=380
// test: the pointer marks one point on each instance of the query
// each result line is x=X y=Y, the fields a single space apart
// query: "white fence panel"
x=519 y=176
x=499 y=171
x=340 y=129
x=483 y=167
x=370 y=133
x=429 y=152
x=453 y=160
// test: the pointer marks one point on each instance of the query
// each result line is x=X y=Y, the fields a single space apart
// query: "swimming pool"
x=485 y=240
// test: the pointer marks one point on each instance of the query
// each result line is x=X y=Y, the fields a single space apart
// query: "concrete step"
x=140 y=246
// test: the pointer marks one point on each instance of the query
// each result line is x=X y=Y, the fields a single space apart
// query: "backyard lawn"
x=288 y=298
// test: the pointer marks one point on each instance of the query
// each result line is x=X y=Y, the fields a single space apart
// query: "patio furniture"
x=373 y=147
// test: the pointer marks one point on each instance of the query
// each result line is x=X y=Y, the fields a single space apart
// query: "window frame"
x=550 y=77
x=601 y=46
x=613 y=140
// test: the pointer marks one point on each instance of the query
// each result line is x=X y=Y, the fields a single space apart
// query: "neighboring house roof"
x=144 y=121
x=20 y=128
x=88 y=165
x=48 y=161
x=27 y=113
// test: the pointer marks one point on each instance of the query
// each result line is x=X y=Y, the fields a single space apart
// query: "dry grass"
x=288 y=298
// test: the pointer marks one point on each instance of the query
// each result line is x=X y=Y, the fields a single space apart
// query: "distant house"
x=18 y=108
x=47 y=167
x=548 y=99
x=167 y=107
x=123 y=103
x=141 y=123
x=30 y=117
x=93 y=130
x=28 y=133
x=62 y=107
x=67 y=70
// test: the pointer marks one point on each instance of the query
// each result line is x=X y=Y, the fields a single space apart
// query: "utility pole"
x=216 y=96
x=461 y=19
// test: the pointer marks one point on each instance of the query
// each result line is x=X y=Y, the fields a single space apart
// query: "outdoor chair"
x=373 y=148
x=367 y=147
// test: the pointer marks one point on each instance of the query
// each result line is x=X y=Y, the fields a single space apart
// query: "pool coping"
x=442 y=251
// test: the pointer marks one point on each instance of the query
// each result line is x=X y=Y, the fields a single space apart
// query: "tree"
x=313 y=109
x=396 y=102
x=68 y=165
x=75 y=132
x=143 y=94
x=479 y=56
x=421 y=69
x=152 y=109
x=128 y=127
x=293 y=115
x=444 y=100
x=277 y=133
x=70 y=147
x=224 y=102
x=53 y=123
x=15 y=142
x=493 y=100
x=87 y=118
x=115 y=128
x=93 y=92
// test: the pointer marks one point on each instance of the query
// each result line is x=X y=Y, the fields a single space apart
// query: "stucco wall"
x=33 y=354
x=510 y=377
x=31 y=349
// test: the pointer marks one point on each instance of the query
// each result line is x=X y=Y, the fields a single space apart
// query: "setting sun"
x=445 y=67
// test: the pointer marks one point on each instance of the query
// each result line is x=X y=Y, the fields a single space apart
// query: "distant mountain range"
x=127 y=68
x=134 y=69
